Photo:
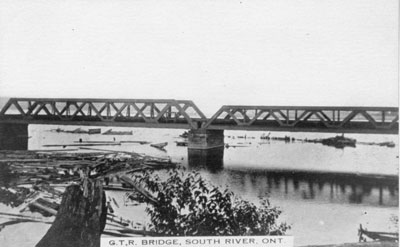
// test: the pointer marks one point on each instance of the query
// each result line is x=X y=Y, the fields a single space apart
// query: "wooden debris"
x=82 y=144
x=83 y=202
x=139 y=189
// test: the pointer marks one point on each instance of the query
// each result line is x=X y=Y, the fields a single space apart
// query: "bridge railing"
x=149 y=111
x=336 y=119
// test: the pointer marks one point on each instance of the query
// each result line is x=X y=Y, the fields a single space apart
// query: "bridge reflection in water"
x=209 y=159
x=343 y=188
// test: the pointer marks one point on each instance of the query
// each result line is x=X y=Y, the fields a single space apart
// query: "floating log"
x=82 y=144
x=141 y=232
x=17 y=221
x=94 y=142
x=53 y=150
x=114 y=234
x=160 y=146
x=8 y=215
x=25 y=160
x=140 y=142
x=94 y=131
x=44 y=208
x=111 y=132
x=112 y=151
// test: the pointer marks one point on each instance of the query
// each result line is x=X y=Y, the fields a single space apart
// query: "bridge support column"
x=206 y=149
x=13 y=136
x=205 y=139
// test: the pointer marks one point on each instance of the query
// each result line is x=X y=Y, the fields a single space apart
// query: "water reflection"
x=312 y=186
x=209 y=159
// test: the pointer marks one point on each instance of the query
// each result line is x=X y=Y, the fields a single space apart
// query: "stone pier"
x=205 y=139
x=13 y=136
x=206 y=149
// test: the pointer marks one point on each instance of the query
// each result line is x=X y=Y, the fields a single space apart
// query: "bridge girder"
x=170 y=113
x=152 y=112
x=382 y=120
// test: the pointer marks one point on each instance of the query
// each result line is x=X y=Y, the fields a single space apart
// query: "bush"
x=188 y=206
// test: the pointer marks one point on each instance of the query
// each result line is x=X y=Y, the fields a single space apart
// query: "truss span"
x=161 y=113
x=184 y=114
x=382 y=120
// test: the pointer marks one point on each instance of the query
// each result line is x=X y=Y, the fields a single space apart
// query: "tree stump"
x=81 y=218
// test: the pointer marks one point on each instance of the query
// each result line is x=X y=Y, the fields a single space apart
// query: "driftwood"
x=16 y=221
x=143 y=192
x=21 y=216
x=141 y=232
x=113 y=234
x=380 y=236
x=48 y=210
x=82 y=144
x=81 y=218
x=82 y=214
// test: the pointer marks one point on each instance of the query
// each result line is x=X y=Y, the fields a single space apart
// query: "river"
x=324 y=193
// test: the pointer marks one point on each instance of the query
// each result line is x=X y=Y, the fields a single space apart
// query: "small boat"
x=380 y=236
x=159 y=145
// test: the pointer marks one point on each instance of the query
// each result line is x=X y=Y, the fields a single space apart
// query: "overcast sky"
x=269 y=52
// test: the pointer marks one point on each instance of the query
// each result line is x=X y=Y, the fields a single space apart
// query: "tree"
x=188 y=206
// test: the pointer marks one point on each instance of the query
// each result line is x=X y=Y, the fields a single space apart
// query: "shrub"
x=188 y=206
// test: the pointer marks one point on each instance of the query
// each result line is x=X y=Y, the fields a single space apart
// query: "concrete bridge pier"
x=205 y=139
x=13 y=136
x=206 y=149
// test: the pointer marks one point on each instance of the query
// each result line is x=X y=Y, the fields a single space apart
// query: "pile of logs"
x=70 y=186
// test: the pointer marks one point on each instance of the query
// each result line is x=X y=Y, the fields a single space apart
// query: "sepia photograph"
x=199 y=123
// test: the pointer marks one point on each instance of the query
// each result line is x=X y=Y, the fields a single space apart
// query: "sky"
x=214 y=52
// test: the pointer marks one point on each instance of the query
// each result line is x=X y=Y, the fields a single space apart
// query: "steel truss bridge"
x=184 y=114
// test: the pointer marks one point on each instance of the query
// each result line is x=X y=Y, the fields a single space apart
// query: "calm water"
x=324 y=193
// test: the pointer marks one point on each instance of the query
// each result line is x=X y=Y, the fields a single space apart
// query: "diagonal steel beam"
x=215 y=116
x=140 y=111
x=6 y=106
x=19 y=108
x=369 y=118
x=187 y=117
x=120 y=110
x=79 y=109
x=349 y=118
x=258 y=114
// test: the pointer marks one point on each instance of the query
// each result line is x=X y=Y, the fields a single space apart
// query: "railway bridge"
x=206 y=133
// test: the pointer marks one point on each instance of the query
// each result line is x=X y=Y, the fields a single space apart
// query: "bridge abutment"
x=13 y=136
